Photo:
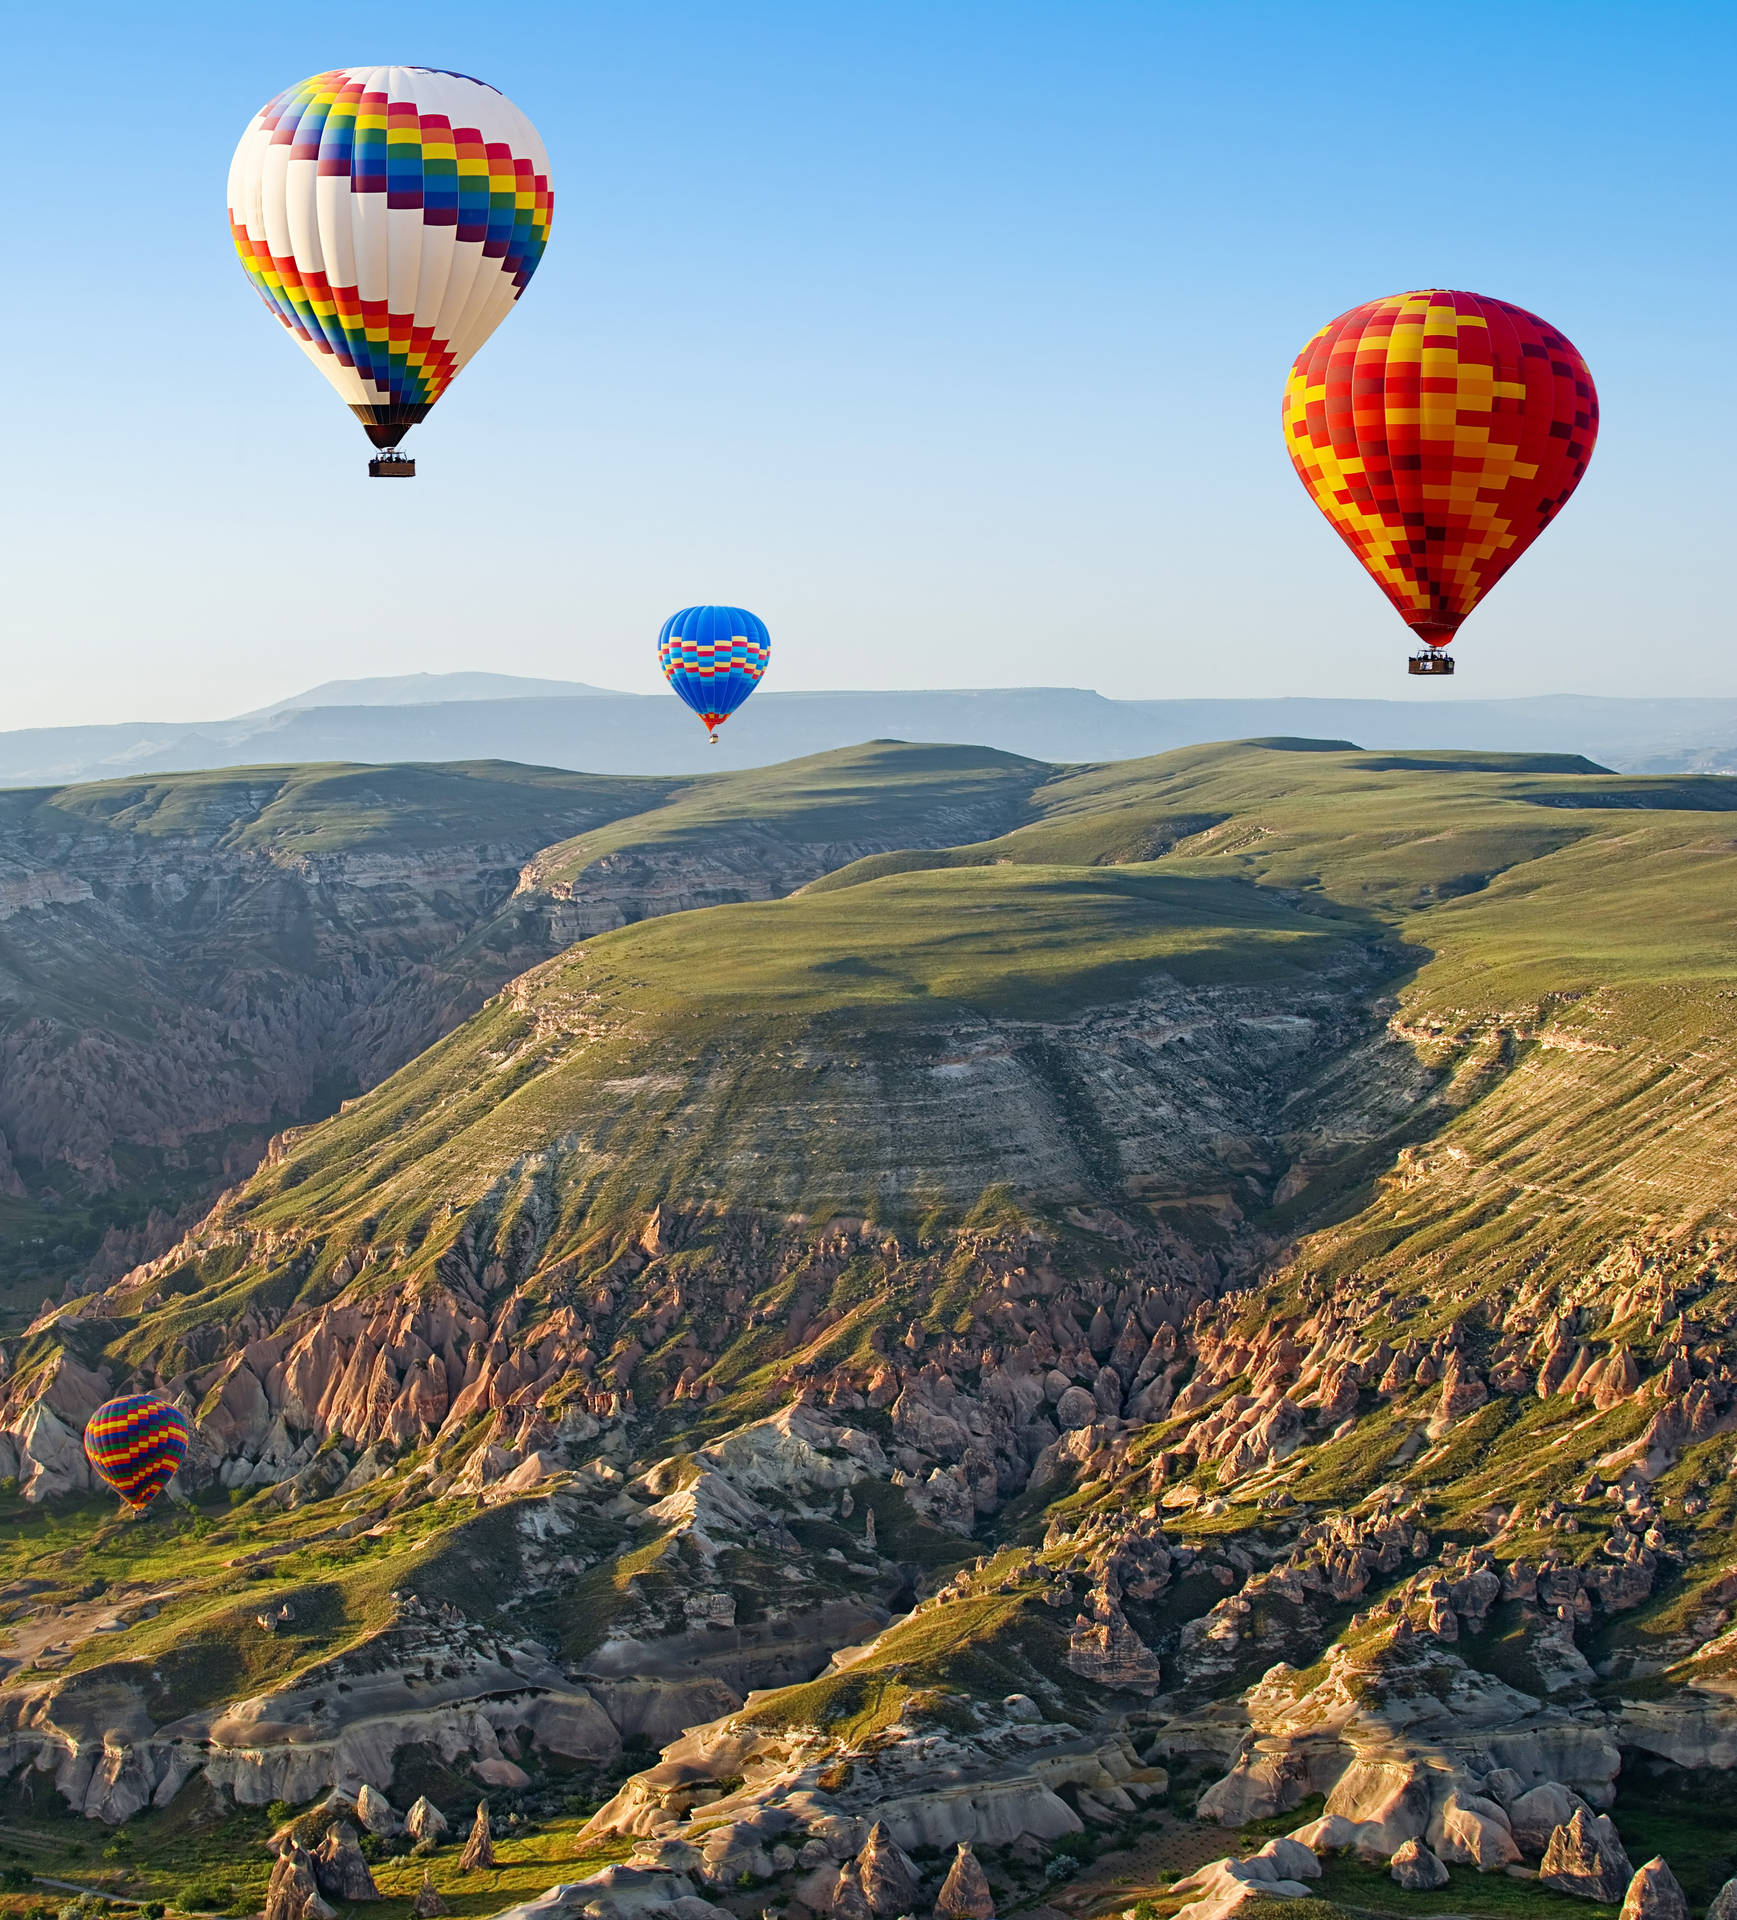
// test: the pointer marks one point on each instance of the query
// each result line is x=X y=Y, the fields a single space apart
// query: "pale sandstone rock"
x=425 y=1821
x=1076 y=1409
x=294 y=1892
x=1291 y=1859
x=1104 y=1648
x=849 y=1902
x=428 y=1904
x=1224 y=1885
x=1505 y=1786
x=1613 y=1840
x=1536 y=1815
x=50 y=1457
x=339 y=1867
x=965 y=1892
x=620 y=1893
x=888 y=1875
x=1580 y=1860
x=530 y=1472
x=1470 y=1831
x=479 y=1849
x=377 y=1813
x=1329 y=1833
x=1724 y=1903
x=1653 y=1894
x=1386 y=1800
x=1416 y=1869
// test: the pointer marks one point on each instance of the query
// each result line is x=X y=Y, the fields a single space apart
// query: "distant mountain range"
x=490 y=716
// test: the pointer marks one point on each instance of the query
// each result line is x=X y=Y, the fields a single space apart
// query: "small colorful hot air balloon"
x=1440 y=433
x=389 y=217
x=135 y=1444
x=714 y=657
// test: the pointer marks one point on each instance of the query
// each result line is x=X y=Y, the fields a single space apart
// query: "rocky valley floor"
x=1162 y=1344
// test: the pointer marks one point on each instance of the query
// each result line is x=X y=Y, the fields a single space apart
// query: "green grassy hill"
x=190 y=962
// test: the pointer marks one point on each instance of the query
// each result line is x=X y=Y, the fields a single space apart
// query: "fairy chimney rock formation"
x=294 y=1892
x=888 y=1875
x=965 y=1892
x=1653 y=1894
x=339 y=1867
x=479 y=1849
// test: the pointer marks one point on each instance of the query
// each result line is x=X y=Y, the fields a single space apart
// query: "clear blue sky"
x=948 y=337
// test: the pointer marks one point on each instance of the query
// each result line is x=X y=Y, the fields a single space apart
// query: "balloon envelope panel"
x=390 y=217
x=135 y=1444
x=1440 y=433
x=714 y=657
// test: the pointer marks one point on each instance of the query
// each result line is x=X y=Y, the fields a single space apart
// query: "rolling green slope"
x=190 y=962
x=885 y=790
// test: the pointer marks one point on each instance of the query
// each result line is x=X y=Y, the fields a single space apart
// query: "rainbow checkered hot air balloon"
x=1440 y=433
x=390 y=217
x=714 y=657
x=135 y=1444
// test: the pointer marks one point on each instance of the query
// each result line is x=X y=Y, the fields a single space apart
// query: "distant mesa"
x=585 y=728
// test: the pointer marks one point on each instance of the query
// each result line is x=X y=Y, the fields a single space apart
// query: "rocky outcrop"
x=339 y=1867
x=1398 y=1737
x=379 y=1816
x=1416 y=1869
x=1535 y=1815
x=926 y=1789
x=108 y=1760
x=425 y=1821
x=1227 y=1884
x=294 y=1891
x=1653 y=1894
x=1585 y=1858
x=479 y=1848
x=1468 y=1830
x=1104 y=1649
x=886 y=1874
x=428 y=1904
x=965 y=1892
x=253 y=972
x=621 y=1893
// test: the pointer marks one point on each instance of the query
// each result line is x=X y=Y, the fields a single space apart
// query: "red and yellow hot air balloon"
x=1440 y=433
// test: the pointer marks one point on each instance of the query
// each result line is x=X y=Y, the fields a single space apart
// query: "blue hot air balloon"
x=714 y=657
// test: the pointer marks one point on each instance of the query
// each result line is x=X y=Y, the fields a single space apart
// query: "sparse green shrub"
x=206 y=1896
x=16 y=1879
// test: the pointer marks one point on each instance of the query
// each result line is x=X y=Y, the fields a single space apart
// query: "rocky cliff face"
x=187 y=967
